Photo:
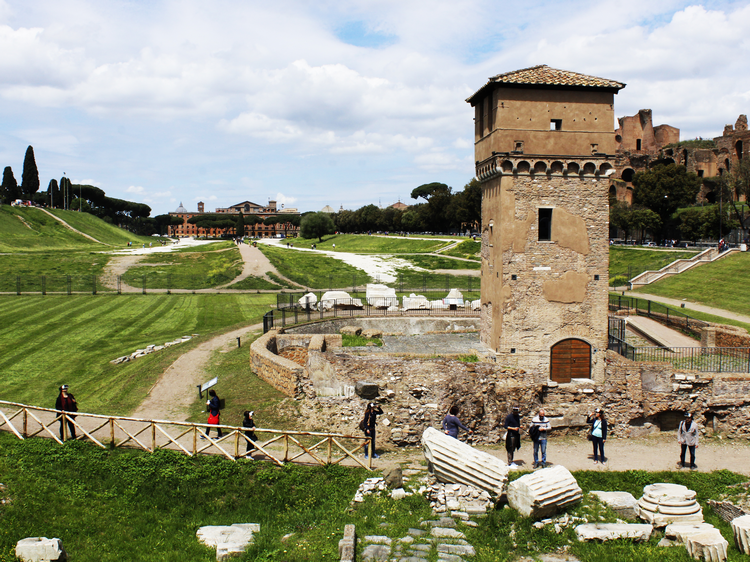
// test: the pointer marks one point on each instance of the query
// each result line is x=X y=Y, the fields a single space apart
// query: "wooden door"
x=570 y=359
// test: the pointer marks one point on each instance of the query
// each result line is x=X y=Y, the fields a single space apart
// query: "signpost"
x=206 y=385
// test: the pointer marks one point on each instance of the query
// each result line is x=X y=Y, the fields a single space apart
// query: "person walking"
x=368 y=423
x=540 y=425
x=249 y=423
x=66 y=402
x=513 y=435
x=451 y=423
x=598 y=434
x=687 y=437
x=214 y=412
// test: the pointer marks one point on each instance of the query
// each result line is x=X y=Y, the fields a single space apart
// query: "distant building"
x=400 y=206
x=247 y=208
x=327 y=209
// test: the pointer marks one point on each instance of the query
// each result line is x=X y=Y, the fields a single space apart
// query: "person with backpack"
x=540 y=425
x=214 y=411
x=513 y=435
x=368 y=425
x=249 y=424
x=451 y=423
x=687 y=437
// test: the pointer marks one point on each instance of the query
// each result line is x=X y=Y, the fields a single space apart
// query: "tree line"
x=665 y=203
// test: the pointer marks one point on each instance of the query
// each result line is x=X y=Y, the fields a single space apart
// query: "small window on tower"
x=638 y=144
x=518 y=146
x=555 y=125
x=545 y=224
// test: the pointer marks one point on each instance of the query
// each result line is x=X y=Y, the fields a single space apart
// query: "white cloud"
x=282 y=199
x=136 y=189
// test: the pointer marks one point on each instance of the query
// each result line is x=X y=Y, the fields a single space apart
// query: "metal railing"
x=656 y=311
x=279 y=446
x=288 y=315
x=701 y=359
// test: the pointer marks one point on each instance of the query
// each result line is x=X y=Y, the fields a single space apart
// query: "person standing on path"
x=214 y=411
x=371 y=418
x=451 y=423
x=66 y=402
x=513 y=435
x=249 y=423
x=687 y=437
x=539 y=437
x=598 y=434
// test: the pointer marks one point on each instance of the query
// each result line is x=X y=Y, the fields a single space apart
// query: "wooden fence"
x=189 y=438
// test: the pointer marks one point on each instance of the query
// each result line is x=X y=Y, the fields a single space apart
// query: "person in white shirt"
x=538 y=430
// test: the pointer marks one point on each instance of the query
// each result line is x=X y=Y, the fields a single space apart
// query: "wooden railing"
x=280 y=446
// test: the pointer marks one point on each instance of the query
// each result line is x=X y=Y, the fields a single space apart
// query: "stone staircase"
x=678 y=266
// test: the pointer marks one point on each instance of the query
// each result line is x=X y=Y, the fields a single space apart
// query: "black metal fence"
x=657 y=311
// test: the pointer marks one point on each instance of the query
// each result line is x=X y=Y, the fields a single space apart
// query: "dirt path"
x=256 y=265
x=175 y=391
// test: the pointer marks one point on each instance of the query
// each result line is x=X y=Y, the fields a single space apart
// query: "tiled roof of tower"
x=543 y=75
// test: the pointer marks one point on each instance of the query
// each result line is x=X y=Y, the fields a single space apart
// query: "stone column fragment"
x=710 y=546
x=741 y=530
x=663 y=504
x=544 y=492
x=452 y=461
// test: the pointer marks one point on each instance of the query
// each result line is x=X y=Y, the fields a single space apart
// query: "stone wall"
x=281 y=373
x=388 y=325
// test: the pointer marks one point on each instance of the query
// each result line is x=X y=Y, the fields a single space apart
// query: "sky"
x=334 y=103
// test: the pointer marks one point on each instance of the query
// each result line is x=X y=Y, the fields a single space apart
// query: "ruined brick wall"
x=296 y=354
x=638 y=398
x=281 y=373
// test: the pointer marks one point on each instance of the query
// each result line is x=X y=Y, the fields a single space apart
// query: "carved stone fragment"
x=229 y=540
x=663 y=504
x=40 y=549
x=622 y=503
x=612 y=531
x=544 y=492
x=455 y=462
x=741 y=530
x=710 y=546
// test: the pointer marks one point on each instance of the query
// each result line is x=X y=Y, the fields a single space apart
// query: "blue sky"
x=327 y=103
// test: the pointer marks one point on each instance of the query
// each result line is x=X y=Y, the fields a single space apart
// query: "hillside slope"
x=26 y=229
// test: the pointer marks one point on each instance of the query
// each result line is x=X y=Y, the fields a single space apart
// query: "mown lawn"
x=26 y=229
x=46 y=341
x=129 y=505
x=104 y=232
x=467 y=249
x=313 y=270
x=364 y=244
x=721 y=284
x=440 y=262
x=190 y=268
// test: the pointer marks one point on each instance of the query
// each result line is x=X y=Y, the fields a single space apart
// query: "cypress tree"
x=53 y=193
x=239 y=228
x=30 y=176
x=9 y=188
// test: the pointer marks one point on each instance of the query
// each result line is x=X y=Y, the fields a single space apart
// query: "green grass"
x=629 y=262
x=104 y=232
x=467 y=249
x=364 y=244
x=279 y=281
x=252 y=282
x=54 y=266
x=25 y=229
x=350 y=340
x=46 y=341
x=439 y=262
x=415 y=281
x=113 y=505
x=721 y=284
x=186 y=269
x=313 y=270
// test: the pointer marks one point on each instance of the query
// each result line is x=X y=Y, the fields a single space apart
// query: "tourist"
x=451 y=423
x=368 y=423
x=513 y=435
x=66 y=402
x=214 y=411
x=248 y=423
x=598 y=434
x=538 y=431
x=687 y=437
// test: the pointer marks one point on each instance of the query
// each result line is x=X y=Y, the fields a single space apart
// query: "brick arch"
x=570 y=359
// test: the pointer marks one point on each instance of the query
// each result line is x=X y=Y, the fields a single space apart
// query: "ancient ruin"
x=544 y=492
x=665 y=504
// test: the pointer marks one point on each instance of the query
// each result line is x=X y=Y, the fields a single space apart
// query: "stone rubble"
x=710 y=546
x=679 y=533
x=348 y=545
x=623 y=504
x=458 y=498
x=150 y=349
x=741 y=530
x=613 y=531
x=544 y=492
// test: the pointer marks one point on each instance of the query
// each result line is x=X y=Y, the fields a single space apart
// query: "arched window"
x=570 y=359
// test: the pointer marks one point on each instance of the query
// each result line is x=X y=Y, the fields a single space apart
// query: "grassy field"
x=188 y=268
x=629 y=262
x=439 y=262
x=97 y=228
x=467 y=249
x=364 y=244
x=721 y=284
x=51 y=340
x=129 y=505
x=313 y=270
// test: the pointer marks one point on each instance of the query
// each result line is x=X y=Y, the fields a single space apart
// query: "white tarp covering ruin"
x=310 y=299
x=416 y=302
x=381 y=296
x=455 y=297
x=339 y=299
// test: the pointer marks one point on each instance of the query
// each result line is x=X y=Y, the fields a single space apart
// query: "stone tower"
x=544 y=148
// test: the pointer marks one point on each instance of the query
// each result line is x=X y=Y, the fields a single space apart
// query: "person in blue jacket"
x=451 y=423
